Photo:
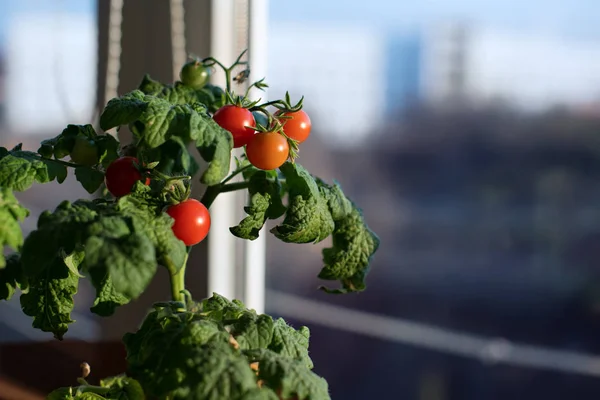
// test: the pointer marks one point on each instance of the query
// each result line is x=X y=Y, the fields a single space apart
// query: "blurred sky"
x=578 y=18
x=8 y=9
x=575 y=19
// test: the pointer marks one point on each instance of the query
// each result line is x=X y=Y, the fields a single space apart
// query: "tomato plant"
x=296 y=124
x=121 y=175
x=192 y=221
x=237 y=120
x=268 y=150
x=217 y=347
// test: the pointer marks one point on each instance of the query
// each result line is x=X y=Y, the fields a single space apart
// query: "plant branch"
x=235 y=173
x=232 y=187
x=65 y=163
x=177 y=276
x=210 y=195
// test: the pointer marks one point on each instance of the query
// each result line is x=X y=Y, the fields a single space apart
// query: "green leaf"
x=150 y=86
x=219 y=373
x=123 y=110
x=50 y=298
x=130 y=261
x=308 y=218
x=73 y=261
x=90 y=178
x=161 y=120
x=339 y=205
x=20 y=169
x=162 y=373
x=174 y=158
x=157 y=227
x=291 y=377
x=253 y=333
x=348 y=260
x=219 y=308
x=121 y=244
x=116 y=388
x=107 y=297
x=210 y=96
x=290 y=342
x=58 y=233
x=214 y=145
x=354 y=244
x=12 y=277
x=108 y=149
x=11 y=213
x=123 y=388
x=174 y=94
x=265 y=203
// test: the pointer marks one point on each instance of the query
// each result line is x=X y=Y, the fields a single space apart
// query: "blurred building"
x=339 y=70
x=529 y=71
x=337 y=67
x=403 y=70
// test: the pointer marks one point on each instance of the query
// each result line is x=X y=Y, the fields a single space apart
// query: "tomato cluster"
x=191 y=218
x=265 y=150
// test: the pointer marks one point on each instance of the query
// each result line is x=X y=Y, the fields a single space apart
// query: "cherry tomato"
x=268 y=150
x=84 y=152
x=192 y=221
x=236 y=120
x=296 y=127
x=121 y=175
x=194 y=75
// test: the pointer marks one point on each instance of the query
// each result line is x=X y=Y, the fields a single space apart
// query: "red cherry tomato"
x=236 y=120
x=296 y=127
x=192 y=221
x=268 y=150
x=121 y=175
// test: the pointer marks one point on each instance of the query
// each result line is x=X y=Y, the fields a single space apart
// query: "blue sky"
x=575 y=18
x=10 y=8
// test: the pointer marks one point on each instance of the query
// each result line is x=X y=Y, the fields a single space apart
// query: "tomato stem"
x=210 y=195
x=232 y=187
x=212 y=192
x=65 y=163
x=177 y=276
x=235 y=173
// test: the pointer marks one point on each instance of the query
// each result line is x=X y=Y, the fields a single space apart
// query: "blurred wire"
x=487 y=350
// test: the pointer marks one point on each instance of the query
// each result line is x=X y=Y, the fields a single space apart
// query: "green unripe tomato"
x=194 y=74
x=84 y=152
